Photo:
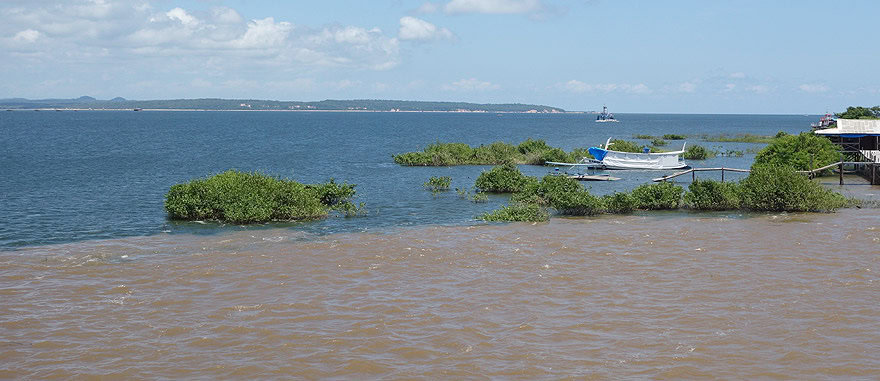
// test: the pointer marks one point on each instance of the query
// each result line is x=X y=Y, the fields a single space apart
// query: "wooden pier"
x=693 y=172
x=872 y=169
x=858 y=139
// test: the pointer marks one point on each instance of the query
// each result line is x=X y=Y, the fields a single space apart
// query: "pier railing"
x=810 y=173
x=693 y=172
x=871 y=155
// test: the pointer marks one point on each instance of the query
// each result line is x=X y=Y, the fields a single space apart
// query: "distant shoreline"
x=263 y=110
x=389 y=111
x=218 y=104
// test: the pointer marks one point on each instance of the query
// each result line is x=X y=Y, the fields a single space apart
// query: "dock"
x=871 y=169
x=693 y=172
x=858 y=139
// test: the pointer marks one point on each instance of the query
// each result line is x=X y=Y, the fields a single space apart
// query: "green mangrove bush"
x=781 y=189
x=766 y=189
x=579 y=153
x=618 y=203
x=579 y=203
x=505 y=178
x=698 y=152
x=437 y=184
x=480 y=197
x=531 y=146
x=712 y=195
x=546 y=191
x=662 y=195
x=798 y=152
x=740 y=138
x=553 y=155
x=523 y=212
x=732 y=153
x=243 y=197
x=534 y=152
x=674 y=137
x=561 y=193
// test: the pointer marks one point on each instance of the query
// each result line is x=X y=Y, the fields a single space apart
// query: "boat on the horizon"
x=610 y=159
x=605 y=116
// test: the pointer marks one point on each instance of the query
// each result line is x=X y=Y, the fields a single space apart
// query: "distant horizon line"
x=87 y=97
x=123 y=99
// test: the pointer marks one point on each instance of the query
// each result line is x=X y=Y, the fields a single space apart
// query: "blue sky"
x=635 y=56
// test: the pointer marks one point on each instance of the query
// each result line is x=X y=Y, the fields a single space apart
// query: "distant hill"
x=87 y=102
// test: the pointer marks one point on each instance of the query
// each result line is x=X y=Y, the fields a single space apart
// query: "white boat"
x=605 y=116
x=609 y=159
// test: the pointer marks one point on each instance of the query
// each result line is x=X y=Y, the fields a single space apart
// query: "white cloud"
x=354 y=35
x=576 y=86
x=412 y=28
x=638 y=89
x=225 y=15
x=738 y=75
x=116 y=32
x=350 y=46
x=295 y=85
x=344 y=84
x=428 y=7
x=813 y=88
x=240 y=84
x=27 y=35
x=729 y=87
x=265 y=33
x=687 y=87
x=758 y=89
x=179 y=14
x=493 y=6
x=200 y=82
x=470 y=84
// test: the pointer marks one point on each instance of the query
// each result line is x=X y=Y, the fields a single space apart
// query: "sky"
x=744 y=57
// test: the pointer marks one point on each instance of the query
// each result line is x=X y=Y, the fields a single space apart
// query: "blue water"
x=71 y=176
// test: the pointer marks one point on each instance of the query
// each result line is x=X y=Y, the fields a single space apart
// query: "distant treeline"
x=859 y=112
x=258 y=104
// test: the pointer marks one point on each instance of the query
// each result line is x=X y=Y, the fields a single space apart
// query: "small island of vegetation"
x=530 y=152
x=774 y=185
x=765 y=189
x=251 y=197
x=802 y=152
x=534 y=152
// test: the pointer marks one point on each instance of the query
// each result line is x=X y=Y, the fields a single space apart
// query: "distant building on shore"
x=860 y=140
x=854 y=135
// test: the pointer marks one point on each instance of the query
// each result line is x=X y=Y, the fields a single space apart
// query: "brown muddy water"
x=645 y=296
